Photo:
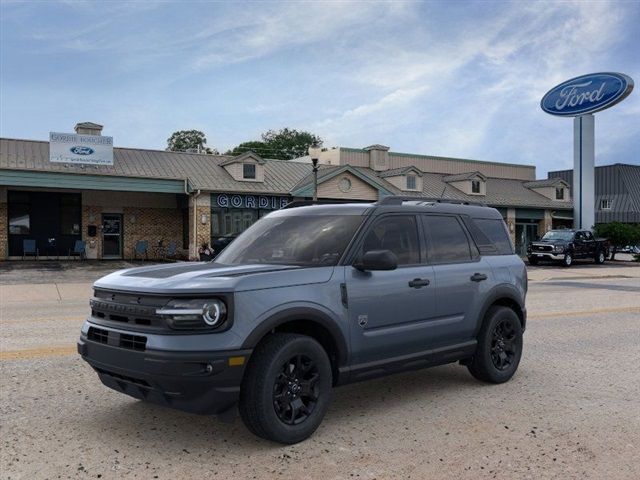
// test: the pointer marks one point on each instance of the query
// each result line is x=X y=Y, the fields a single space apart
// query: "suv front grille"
x=122 y=340
x=129 y=311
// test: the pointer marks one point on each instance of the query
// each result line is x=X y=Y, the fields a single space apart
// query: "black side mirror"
x=377 y=260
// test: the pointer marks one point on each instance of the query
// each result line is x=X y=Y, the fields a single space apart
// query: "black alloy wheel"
x=499 y=347
x=296 y=390
x=287 y=388
x=503 y=350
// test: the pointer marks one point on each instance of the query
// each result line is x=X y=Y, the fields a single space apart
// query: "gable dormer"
x=247 y=167
x=553 y=188
x=471 y=183
x=408 y=179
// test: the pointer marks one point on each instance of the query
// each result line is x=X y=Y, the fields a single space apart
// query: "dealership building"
x=79 y=187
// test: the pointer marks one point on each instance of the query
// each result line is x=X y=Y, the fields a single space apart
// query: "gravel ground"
x=571 y=411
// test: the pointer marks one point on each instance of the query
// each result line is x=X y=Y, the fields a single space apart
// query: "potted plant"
x=205 y=252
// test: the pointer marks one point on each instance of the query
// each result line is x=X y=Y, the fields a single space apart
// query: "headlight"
x=194 y=314
x=559 y=248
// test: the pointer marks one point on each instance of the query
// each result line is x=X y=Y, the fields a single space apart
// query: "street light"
x=314 y=153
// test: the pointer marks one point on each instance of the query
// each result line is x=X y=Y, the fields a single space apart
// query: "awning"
x=562 y=215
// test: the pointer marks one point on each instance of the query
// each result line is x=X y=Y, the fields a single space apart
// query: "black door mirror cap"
x=377 y=260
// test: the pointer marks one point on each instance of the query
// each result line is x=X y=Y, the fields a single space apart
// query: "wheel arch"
x=305 y=321
x=506 y=296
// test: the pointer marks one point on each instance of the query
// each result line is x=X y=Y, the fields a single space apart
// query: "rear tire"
x=499 y=346
x=286 y=390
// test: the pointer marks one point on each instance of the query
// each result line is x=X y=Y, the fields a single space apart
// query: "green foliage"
x=255 y=146
x=184 y=140
x=283 y=144
x=619 y=234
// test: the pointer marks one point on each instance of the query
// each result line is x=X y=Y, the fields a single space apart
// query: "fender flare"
x=301 y=313
x=500 y=292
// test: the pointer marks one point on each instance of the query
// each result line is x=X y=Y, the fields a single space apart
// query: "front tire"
x=532 y=260
x=600 y=257
x=499 y=346
x=286 y=390
x=568 y=260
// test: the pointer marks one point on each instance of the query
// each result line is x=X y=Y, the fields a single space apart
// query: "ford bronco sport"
x=308 y=298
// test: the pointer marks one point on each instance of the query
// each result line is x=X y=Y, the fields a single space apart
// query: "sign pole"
x=583 y=171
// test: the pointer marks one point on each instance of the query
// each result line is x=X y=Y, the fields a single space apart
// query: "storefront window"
x=19 y=220
x=70 y=214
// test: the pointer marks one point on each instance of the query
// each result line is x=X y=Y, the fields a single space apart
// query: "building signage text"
x=229 y=200
x=587 y=94
x=80 y=149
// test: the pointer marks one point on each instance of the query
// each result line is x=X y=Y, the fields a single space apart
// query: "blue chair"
x=29 y=248
x=141 y=248
x=171 y=251
x=80 y=249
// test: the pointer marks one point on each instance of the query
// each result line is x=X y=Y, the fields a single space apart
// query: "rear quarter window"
x=491 y=236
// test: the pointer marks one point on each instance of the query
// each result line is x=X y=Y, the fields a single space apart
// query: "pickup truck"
x=565 y=246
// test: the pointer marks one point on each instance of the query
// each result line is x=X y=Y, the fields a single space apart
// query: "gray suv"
x=309 y=298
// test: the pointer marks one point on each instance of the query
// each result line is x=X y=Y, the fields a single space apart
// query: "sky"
x=451 y=78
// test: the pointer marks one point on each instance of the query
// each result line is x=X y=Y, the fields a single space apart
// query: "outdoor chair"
x=141 y=248
x=79 y=249
x=29 y=248
x=171 y=250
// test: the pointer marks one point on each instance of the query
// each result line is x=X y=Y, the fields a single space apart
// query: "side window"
x=448 y=242
x=492 y=231
x=398 y=234
x=588 y=236
x=579 y=236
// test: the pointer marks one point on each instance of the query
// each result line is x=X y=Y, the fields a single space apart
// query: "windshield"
x=558 y=235
x=310 y=241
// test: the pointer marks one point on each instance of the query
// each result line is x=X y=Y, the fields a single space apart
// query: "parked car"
x=565 y=246
x=309 y=298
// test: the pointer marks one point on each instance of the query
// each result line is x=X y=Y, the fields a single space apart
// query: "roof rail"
x=306 y=203
x=400 y=199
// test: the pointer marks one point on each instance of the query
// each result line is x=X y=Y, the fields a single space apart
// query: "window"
x=249 y=170
x=475 y=186
x=605 y=204
x=70 y=214
x=559 y=193
x=398 y=234
x=490 y=235
x=311 y=241
x=411 y=182
x=448 y=242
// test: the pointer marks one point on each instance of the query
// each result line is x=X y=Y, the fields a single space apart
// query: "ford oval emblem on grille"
x=78 y=150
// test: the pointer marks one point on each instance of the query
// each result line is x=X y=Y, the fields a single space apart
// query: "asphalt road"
x=571 y=411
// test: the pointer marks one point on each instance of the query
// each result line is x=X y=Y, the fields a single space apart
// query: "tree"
x=283 y=144
x=619 y=234
x=255 y=146
x=184 y=140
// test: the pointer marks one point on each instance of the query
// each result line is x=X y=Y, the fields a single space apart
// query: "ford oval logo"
x=587 y=94
x=82 y=150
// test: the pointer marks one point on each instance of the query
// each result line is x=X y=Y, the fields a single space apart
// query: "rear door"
x=390 y=311
x=462 y=278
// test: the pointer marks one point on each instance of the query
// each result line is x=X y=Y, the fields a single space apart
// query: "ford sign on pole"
x=80 y=149
x=580 y=97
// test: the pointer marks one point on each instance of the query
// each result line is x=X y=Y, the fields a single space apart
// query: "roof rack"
x=399 y=199
x=306 y=203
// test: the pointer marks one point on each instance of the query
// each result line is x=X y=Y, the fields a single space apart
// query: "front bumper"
x=546 y=256
x=195 y=382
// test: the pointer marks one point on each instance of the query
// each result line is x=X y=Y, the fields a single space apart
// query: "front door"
x=389 y=311
x=111 y=235
x=525 y=233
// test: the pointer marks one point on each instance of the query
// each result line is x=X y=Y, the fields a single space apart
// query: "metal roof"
x=547 y=182
x=463 y=176
x=202 y=171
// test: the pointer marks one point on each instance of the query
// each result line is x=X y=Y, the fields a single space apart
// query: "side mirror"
x=377 y=260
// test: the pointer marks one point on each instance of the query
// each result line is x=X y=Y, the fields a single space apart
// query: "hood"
x=208 y=277
x=550 y=242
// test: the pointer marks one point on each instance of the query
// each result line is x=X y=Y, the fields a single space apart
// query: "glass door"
x=525 y=233
x=112 y=235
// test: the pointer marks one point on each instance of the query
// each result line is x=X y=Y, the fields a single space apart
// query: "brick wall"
x=151 y=224
x=203 y=230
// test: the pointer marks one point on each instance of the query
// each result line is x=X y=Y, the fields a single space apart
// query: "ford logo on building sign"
x=587 y=94
x=78 y=150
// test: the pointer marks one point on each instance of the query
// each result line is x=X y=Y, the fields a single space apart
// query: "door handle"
x=478 y=277
x=419 y=282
